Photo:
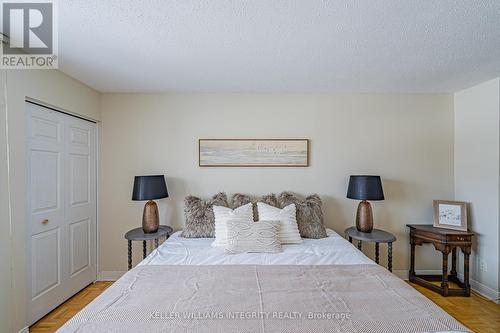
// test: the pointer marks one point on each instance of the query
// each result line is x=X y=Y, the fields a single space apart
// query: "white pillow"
x=223 y=214
x=289 y=231
x=260 y=237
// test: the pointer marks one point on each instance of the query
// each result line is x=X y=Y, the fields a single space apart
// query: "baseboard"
x=24 y=330
x=110 y=275
x=482 y=289
x=485 y=291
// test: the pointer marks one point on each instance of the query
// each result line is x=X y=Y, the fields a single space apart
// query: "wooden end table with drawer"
x=446 y=241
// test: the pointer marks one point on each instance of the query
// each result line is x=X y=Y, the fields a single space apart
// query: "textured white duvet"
x=333 y=250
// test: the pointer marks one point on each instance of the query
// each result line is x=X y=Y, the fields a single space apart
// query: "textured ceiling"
x=279 y=46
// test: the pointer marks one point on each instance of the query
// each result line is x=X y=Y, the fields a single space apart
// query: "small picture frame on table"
x=450 y=214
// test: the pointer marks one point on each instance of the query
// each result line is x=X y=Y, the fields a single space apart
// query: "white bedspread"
x=333 y=250
x=263 y=299
x=325 y=277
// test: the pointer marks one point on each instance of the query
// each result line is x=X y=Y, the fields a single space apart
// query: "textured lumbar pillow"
x=239 y=199
x=242 y=214
x=289 y=231
x=253 y=237
x=200 y=221
x=309 y=214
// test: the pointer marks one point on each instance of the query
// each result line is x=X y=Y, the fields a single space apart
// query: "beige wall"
x=477 y=173
x=57 y=89
x=407 y=139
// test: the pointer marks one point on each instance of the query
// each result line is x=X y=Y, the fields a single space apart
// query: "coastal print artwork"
x=450 y=214
x=253 y=152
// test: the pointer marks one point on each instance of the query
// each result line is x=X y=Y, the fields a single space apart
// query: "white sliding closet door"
x=62 y=180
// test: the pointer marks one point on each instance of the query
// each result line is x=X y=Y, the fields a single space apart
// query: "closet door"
x=46 y=253
x=61 y=240
x=80 y=202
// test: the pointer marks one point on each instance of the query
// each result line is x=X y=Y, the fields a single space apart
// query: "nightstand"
x=377 y=236
x=138 y=234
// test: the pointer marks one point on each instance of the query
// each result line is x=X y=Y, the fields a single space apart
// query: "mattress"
x=333 y=250
x=325 y=285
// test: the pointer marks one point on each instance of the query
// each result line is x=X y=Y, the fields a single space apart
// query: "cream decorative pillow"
x=223 y=214
x=289 y=231
x=261 y=237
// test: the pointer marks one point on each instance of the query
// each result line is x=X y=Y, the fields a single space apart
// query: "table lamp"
x=365 y=188
x=150 y=188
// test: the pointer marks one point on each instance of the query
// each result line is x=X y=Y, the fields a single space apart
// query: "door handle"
x=45 y=221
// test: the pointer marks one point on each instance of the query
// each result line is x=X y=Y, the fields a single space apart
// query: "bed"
x=322 y=285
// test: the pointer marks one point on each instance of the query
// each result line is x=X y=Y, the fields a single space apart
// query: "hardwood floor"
x=475 y=312
x=55 y=319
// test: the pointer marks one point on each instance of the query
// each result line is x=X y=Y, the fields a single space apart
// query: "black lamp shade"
x=149 y=188
x=365 y=188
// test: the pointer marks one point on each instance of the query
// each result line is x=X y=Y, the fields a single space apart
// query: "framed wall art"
x=450 y=214
x=253 y=152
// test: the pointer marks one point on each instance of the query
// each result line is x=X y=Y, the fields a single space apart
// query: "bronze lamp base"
x=150 y=219
x=364 y=217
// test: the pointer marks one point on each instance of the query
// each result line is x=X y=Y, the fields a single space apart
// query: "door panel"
x=44 y=130
x=46 y=273
x=45 y=181
x=79 y=246
x=80 y=137
x=62 y=207
x=79 y=179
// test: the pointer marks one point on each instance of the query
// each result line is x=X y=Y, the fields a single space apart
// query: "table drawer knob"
x=45 y=221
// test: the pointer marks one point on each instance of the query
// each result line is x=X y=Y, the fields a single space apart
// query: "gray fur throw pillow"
x=200 y=220
x=309 y=214
x=239 y=200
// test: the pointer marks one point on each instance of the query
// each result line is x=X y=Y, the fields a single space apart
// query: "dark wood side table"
x=138 y=234
x=376 y=236
x=445 y=241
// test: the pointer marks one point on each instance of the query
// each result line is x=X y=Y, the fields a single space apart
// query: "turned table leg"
x=412 y=258
x=444 y=280
x=350 y=239
x=389 y=255
x=359 y=245
x=129 y=254
x=143 y=249
x=453 y=272
x=466 y=272
x=377 y=250
x=156 y=243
